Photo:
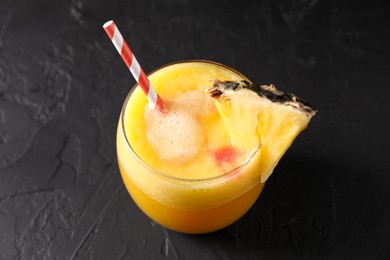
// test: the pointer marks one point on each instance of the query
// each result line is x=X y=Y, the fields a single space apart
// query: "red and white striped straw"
x=132 y=64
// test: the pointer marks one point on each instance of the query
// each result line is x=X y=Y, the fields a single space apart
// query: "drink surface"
x=188 y=140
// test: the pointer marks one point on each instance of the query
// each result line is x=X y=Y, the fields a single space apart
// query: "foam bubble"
x=175 y=135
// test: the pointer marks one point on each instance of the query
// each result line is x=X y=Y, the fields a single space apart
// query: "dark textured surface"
x=62 y=85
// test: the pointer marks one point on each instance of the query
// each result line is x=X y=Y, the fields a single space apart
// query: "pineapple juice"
x=179 y=165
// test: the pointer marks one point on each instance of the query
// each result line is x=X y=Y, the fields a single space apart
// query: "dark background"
x=62 y=85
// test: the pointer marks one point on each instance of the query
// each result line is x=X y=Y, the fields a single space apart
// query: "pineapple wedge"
x=261 y=116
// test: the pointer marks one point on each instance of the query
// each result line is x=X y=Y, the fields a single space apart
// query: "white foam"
x=176 y=134
x=195 y=102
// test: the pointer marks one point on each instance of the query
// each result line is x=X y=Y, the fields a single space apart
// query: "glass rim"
x=165 y=175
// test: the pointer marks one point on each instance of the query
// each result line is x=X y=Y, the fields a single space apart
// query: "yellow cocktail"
x=180 y=166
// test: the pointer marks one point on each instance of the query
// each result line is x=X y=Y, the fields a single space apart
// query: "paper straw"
x=132 y=64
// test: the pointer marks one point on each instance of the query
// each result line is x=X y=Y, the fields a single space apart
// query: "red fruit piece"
x=226 y=155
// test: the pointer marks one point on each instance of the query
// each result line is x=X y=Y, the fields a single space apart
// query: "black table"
x=62 y=85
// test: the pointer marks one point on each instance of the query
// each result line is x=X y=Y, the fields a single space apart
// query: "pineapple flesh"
x=261 y=116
